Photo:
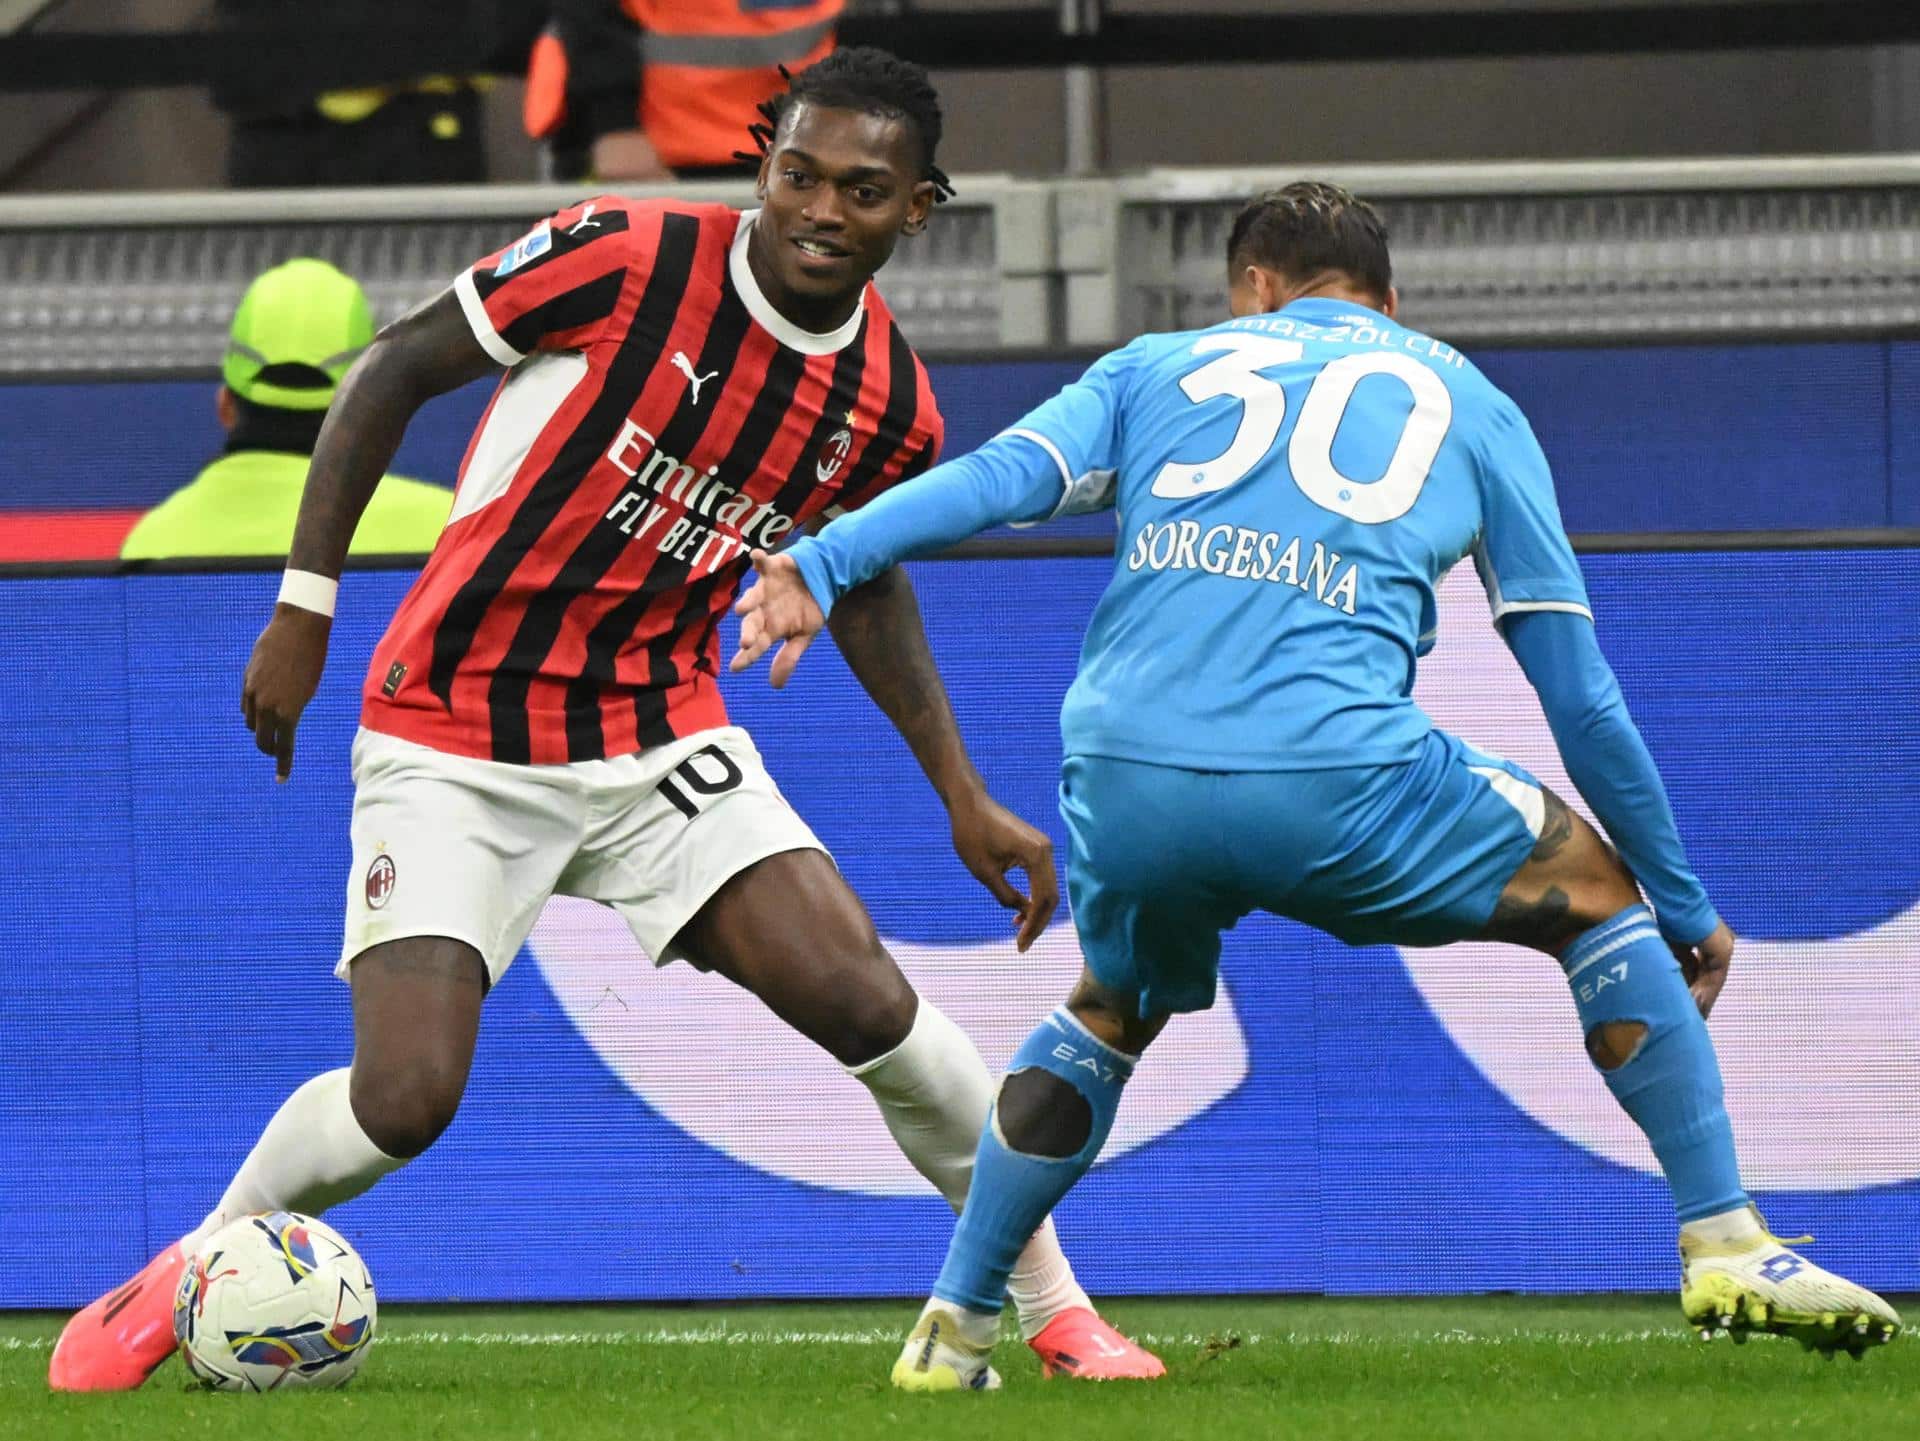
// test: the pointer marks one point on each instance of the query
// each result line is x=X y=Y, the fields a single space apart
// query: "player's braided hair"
x=860 y=78
x=1309 y=227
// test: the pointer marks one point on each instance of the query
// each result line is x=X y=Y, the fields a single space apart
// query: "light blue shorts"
x=1162 y=859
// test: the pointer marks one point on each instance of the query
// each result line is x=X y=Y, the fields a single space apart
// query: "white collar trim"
x=807 y=342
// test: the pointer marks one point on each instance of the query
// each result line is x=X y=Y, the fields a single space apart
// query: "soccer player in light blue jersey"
x=1291 y=485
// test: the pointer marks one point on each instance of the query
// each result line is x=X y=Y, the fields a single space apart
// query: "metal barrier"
x=1599 y=250
x=148 y=283
x=1485 y=254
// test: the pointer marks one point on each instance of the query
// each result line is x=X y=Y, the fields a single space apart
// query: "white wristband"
x=309 y=591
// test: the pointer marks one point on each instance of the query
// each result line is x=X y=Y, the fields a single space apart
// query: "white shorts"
x=446 y=845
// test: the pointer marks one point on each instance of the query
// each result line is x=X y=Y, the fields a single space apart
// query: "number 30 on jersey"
x=1236 y=373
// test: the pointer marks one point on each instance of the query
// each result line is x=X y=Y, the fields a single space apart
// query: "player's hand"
x=1705 y=966
x=992 y=840
x=281 y=678
x=777 y=609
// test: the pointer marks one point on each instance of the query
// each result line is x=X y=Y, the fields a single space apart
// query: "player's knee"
x=1551 y=911
x=1611 y=885
x=1611 y=1044
x=1039 y=1114
x=404 y=1107
x=875 y=1011
x=1113 y=1017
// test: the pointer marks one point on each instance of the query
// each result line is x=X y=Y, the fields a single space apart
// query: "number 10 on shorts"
x=709 y=771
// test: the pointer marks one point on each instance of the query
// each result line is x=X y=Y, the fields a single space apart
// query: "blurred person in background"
x=657 y=89
x=405 y=129
x=298 y=328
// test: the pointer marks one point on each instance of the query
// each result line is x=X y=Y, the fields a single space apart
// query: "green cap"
x=298 y=328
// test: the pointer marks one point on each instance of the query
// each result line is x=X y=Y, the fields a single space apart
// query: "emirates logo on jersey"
x=693 y=516
x=381 y=876
x=834 y=455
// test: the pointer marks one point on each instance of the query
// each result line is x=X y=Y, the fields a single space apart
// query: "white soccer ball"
x=274 y=1300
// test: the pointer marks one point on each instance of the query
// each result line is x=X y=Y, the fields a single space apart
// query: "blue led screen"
x=1343 y=1120
x=1771 y=437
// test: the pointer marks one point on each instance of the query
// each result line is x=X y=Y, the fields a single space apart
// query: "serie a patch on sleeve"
x=529 y=247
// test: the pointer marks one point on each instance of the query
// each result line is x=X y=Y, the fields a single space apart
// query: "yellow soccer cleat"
x=938 y=1357
x=1755 y=1284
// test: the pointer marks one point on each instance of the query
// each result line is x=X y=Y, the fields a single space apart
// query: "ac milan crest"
x=380 y=880
x=833 y=455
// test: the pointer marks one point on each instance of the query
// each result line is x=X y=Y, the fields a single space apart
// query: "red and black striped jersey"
x=660 y=418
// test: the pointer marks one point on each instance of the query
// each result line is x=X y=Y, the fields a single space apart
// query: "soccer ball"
x=274 y=1300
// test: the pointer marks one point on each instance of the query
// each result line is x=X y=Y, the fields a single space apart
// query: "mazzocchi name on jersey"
x=1239 y=553
x=1355 y=330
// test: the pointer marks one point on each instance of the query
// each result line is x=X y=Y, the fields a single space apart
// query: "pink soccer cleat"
x=1078 y=1343
x=121 y=1339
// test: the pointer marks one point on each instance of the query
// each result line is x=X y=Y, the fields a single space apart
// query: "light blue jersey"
x=1290 y=489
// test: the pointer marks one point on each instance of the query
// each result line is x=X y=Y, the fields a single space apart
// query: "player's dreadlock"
x=867 y=79
x=1309 y=227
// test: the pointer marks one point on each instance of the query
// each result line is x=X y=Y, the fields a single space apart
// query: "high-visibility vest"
x=245 y=504
x=706 y=65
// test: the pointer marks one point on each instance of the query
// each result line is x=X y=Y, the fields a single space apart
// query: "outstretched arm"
x=1008 y=479
x=1609 y=762
x=429 y=351
x=877 y=627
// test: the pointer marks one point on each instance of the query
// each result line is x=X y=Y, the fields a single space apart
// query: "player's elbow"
x=1590 y=717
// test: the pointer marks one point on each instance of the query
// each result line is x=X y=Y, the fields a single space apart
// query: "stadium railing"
x=122 y=285
x=1595 y=250
x=1601 y=251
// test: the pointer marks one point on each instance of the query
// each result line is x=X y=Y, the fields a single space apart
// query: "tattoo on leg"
x=1541 y=921
x=1556 y=830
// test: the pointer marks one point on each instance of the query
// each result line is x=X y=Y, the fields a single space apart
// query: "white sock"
x=934 y=1093
x=312 y=1155
x=1740 y=1224
x=982 y=1328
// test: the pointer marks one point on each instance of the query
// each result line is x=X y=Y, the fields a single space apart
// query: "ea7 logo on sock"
x=1612 y=976
x=1103 y=1068
x=1778 y=1268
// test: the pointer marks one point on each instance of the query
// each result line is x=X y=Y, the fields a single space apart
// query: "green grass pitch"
x=1479 y=1369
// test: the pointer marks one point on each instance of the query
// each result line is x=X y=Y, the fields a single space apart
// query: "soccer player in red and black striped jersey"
x=684 y=383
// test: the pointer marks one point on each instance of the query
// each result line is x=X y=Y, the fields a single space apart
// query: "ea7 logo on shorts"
x=381 y=877
x=531 y=246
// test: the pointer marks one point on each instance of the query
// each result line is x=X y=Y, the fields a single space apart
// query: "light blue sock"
x=1622 y=971
x=1011 y=1192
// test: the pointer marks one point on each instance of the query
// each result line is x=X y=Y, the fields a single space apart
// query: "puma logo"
x=585 y=222
x=680 y=363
